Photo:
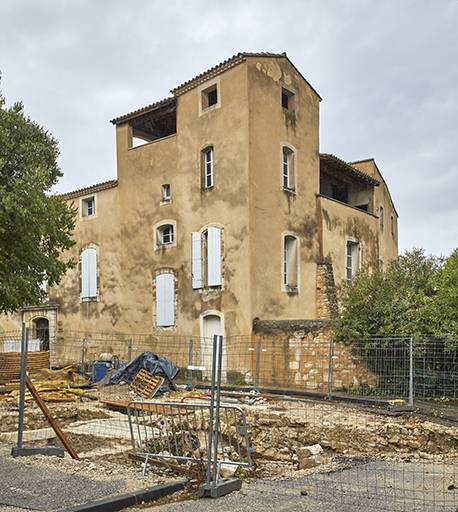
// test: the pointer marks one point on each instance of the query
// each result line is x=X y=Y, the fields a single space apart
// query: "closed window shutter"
x=89 y=273
x=196 y=260
x=214 y=257
x=165 y=300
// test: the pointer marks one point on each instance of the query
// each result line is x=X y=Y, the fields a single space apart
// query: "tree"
x=35 y=226
x=444 y=306
x=395 y=301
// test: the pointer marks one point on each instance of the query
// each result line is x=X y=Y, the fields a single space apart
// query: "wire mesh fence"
x=375 y=418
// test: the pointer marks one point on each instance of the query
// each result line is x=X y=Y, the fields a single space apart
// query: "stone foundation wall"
x=297 y=353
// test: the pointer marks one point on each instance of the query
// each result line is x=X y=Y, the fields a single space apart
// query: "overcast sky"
x=387 y=71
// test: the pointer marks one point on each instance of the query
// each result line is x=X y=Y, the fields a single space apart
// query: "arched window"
x=165 y=234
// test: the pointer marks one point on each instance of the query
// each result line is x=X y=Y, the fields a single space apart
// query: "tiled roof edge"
x=143 y=110
x=90 y=190
x=352 y=167
x=220 y=68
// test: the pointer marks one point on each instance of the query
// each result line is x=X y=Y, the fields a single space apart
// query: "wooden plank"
x=50 y=418
x=161 y=464
x=160 y=409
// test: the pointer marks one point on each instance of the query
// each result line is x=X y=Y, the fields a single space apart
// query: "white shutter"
x=165 y=300
x=214 y=257
x=196 y=260
x=89 y=273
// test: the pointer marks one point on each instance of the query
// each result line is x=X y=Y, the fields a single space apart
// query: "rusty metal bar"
x=50 y=418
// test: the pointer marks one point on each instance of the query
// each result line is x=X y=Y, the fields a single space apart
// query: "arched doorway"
x=42 y=332
x=212 y=325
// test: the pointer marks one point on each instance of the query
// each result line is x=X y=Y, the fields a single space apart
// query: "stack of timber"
x=10 y=364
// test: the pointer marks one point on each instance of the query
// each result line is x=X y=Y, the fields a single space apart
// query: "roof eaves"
x=381 y=176
x=208 y=75
x=335 y=159
x=90 y=190
x=144 y=110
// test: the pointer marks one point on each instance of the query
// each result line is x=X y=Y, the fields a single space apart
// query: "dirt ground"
x=281 y=428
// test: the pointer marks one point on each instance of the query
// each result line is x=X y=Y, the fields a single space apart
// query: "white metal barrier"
x=183 y=432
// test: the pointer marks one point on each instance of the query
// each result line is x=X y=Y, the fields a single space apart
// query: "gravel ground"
x=347 y=483
x=47 y=484
x=362 y=484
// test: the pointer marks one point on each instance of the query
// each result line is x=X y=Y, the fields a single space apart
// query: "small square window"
x=209 y=97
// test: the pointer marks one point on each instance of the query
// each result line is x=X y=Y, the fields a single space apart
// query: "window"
x=353 y=259
x=288 y=98
x=288 y=169
x=206 y=258
x=208 y=174
x=381 y=216
x=290 y=262
x=166 y=192
x=196 y=260
x=88 y=207
x=89 y=273
x=165 y=300
x=209 y=96
x=392 y=226
x=165 y=234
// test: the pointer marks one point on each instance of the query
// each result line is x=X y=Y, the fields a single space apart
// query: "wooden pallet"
x=145 y=384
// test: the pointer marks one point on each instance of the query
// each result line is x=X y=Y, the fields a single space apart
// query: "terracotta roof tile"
x=90 y=190
x=332 y=159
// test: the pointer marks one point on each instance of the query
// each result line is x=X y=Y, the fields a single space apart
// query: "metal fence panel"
x=182 y=432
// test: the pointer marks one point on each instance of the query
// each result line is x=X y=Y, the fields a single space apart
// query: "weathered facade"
x=223 y=212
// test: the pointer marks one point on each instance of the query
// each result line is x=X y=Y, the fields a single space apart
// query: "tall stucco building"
x=223 y=213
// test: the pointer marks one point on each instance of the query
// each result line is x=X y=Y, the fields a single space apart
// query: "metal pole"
x=411 y=373
x=129 y=348
x=218 y=401
x=258 y=360
x=82 y=358
x=190 y=364
x=24 y=348
x=330 y=366
x=212 y=397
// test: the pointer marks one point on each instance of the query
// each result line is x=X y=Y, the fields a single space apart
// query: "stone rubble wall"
x=297 y=353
